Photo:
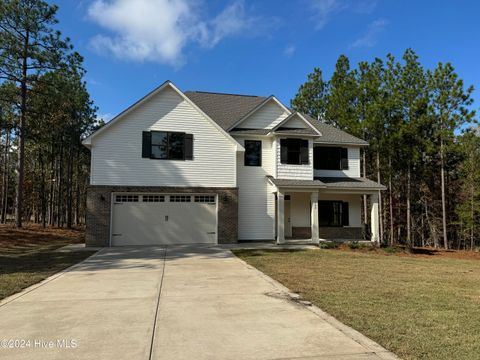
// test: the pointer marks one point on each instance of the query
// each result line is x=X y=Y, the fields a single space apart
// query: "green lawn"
x=27 y=256
x=419 y=307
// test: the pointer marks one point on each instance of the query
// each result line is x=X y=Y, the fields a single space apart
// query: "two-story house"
x=199 y=167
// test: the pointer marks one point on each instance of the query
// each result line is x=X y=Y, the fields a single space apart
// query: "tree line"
x=424 y=144
x=45 y=111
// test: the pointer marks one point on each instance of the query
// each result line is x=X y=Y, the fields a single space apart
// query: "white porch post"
x=374 y=220
x=280 y=217
x=314 y=217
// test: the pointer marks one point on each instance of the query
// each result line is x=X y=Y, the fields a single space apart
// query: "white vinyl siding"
x=295 y=123
x=267 y=117
x=117 y=153
x=296 y=172
x=353 y=166
x=300 y=209
x=256 y=201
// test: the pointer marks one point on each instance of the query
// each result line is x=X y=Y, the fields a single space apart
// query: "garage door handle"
x=166 y=217
x=212 y=232
x=116 y=234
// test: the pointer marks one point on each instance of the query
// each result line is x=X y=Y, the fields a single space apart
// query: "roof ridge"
x=220 y=93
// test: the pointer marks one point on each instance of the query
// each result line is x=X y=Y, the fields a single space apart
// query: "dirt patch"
x=418 y=252
x=33 y=234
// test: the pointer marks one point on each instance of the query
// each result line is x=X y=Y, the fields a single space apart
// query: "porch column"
x=280 y=217
x=314 y=217
x=374 y=217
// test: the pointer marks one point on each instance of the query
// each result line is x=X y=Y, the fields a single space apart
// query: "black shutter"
x=146 y=144
x=188 y=146
x=344 y=159
x=345 y=214
x=304 y=152
x=283 y=151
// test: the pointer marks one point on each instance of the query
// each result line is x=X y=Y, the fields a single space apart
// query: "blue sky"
x=256 y=47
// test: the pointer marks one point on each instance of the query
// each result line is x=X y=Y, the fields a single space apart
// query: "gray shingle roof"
x=308 y=131
x=330 y=183
x=332 y=135
x=250 y=131
x=291 y=182
x=224 y=109
x=350 y=183
x=228 y=109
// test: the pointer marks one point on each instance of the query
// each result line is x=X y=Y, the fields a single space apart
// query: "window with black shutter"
x=330 y=158
x=333 y=213
x=294 y=151
x=167 y=145
x=253 y=153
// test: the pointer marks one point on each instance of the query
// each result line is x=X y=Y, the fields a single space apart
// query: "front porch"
x=314 y=211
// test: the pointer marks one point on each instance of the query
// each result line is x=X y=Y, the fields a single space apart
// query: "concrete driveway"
x=176 y=303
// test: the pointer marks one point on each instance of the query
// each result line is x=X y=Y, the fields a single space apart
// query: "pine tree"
x=449 y=106
x=29 y=46
x=311 y=98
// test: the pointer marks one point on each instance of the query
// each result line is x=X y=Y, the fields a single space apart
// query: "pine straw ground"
x=28 y=255
x=420 y=305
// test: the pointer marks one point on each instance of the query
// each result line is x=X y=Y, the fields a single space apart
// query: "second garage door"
x=160 y=219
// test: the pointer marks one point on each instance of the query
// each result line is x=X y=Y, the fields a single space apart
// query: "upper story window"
x=330 y=158
x=294 y=151
x=253 y=153
x=167 y=145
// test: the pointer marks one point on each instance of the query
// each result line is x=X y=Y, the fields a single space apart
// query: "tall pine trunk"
x=444 y=210
x=390 y=201
x=380 y=202
x=21 y=135
x=6 y=177
x=365 y=204
x=409 y=189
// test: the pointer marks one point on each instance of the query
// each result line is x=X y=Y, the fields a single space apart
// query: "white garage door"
x=159 y=219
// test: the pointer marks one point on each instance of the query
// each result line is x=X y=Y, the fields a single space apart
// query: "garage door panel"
x=159 y=223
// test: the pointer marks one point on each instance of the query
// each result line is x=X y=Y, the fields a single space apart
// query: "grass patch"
x=418 y=306
x=27 y=255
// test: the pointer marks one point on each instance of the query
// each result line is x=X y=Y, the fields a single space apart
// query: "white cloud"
x=324 y=10
x=370 y=37
x=105 y=117
x=159 y=30
x=289 y=50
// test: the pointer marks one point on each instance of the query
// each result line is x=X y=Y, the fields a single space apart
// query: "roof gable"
x=265 y=116
x=165 y=85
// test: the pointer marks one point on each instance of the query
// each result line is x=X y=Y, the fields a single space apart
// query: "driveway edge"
x=30 y=288
x=355 y=335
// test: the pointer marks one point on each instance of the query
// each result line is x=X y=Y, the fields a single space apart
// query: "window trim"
x=300 y=154
x=168 y=144
x=343 y=161
x=245 y=154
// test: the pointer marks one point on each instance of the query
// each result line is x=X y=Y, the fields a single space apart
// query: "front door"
x=288 y=222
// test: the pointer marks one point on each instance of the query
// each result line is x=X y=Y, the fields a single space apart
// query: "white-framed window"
x=153 y=198
x=126 y=198
x=205 y=199
x=180 y=198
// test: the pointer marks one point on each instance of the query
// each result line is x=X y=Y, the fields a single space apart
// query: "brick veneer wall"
x=99 y=206
x=350 y=233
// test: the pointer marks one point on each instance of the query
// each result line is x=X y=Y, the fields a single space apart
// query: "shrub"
x=328 y=245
